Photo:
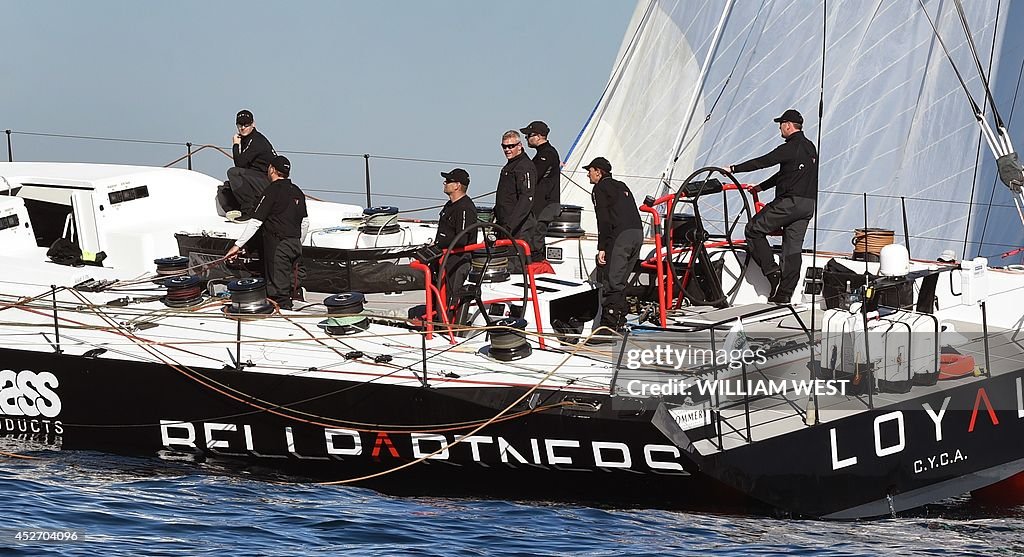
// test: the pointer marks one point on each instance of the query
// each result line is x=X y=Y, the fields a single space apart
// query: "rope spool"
x=380 y=220
x=168 y=266
x=868 y=243
x=509 y=343
x=495 y=270
x=183 y=291
x=248 y=297
x=568 y=223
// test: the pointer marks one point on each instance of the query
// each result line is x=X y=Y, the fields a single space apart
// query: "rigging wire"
x=994 y=145
x=981 y=71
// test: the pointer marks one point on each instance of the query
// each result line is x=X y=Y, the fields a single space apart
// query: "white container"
x=901 y=347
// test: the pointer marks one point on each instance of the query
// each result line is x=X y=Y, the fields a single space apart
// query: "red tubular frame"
x=472 y=247
x=657 y=264
x=664 y=277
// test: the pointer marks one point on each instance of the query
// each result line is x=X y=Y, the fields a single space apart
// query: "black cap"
x=243 y=117
x=457 y=175
x=599 y=162
x=282 y=165
x=790 y=116
x=536 y=126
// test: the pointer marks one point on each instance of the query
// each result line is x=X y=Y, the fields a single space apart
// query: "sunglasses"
x=240 y=126
x=509 y=146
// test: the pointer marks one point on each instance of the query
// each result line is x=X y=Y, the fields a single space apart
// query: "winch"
x=380 y=220
x=248 y=297
x=567 y=223
x=168 y=266
x=509 y=342
x=183 y=291
x=493 y=270
x=345 y=311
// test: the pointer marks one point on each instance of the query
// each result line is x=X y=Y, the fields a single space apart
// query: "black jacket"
x=282 y=209
x=255 y=152
x=798 y=168
x=616 y=211
x=546 y=201
x=456 y=217
x=513 y=204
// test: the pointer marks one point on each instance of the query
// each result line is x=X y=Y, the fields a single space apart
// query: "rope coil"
x=870 y=241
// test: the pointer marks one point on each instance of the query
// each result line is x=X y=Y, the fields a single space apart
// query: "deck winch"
x=508 y=342
x=345 y=311
x=248 y=297
x=169 y=266
x=567 y=223
x=491 y=267
x=183 y=291
x=378 y=221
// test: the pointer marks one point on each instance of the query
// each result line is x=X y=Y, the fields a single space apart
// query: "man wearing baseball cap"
x=619 y=238
x=546 y=201
x=796 y=193
x=457 y=214
x=251 y=151
x=281 y=215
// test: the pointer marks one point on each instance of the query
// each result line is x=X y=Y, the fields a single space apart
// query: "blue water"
x=126 y=506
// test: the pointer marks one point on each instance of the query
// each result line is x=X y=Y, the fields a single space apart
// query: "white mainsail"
x=897 y=123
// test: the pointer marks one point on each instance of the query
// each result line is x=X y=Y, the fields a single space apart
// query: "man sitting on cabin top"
x=252 y=152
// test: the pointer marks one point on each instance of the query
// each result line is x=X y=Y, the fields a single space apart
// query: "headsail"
x=896 y=123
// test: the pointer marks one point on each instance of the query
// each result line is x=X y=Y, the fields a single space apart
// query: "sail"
x=698 y=83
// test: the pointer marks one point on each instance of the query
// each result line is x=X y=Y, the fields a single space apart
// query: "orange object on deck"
x=955 y=366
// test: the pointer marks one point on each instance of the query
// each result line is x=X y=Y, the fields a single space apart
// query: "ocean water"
x=132 y=506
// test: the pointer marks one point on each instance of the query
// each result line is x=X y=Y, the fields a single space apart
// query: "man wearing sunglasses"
x=513 y=203
x=248 y=178
x=546 y=201
x=457 y=214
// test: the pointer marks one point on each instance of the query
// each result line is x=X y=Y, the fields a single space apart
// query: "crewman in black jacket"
x=281 y=215
x=513 y=203
x=457 y=214
x=248 y=178
x=619 y=238
x=796 y=191
x=546 y=203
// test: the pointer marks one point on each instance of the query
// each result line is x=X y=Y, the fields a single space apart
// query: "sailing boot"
x=774 y=279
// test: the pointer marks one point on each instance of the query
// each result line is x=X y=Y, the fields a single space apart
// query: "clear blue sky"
x=430 y=80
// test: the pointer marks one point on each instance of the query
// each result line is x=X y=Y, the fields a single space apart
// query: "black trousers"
x=246 y=186
x=791 y=214
x=456 y=269
x=614 y=274
x=282 y=268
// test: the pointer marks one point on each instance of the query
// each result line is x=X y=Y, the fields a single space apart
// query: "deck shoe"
x=781 y=298
x=774 y=279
